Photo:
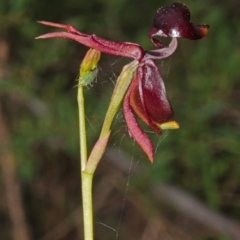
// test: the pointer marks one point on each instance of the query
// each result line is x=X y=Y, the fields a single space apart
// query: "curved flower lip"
x=174 y=21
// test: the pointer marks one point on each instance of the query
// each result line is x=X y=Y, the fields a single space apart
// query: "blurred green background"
x=39 y=124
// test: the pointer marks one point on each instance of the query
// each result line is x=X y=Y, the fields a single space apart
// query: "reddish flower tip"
x=174 y=21
x=134 y=129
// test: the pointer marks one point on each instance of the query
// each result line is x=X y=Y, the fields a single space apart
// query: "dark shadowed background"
x=192 y=189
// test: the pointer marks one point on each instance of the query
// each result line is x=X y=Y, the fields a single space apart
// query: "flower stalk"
x=86 y=178
x=88 y=164
x=82 y=128
x=87 y=73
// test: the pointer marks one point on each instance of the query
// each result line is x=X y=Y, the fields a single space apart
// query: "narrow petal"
x=134 y=129
x=125 y=49
x=119 y=92
x=174 y=21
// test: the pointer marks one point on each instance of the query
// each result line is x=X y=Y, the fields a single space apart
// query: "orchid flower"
x=146 y=95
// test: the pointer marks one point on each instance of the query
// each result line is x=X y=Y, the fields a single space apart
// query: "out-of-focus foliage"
x=38 y=98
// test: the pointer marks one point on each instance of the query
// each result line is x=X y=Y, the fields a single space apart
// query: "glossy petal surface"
x=174 y=21
x=149 y=98
x=154 y=93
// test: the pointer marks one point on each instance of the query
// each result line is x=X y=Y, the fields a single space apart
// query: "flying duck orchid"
x=146 y=95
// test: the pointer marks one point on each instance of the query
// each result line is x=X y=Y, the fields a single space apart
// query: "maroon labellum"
x=174 y=21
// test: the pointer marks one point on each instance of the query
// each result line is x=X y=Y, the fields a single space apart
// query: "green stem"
x=82 y=128
x=87 y=205
x=88 y=166
x=86 y=177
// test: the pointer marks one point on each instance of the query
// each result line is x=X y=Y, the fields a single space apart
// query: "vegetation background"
x=192 y=189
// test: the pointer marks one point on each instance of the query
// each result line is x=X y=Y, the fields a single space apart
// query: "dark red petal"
x=148 y=96
x=153 y=94
x=137 y=102
x=125 y=49
x=174 y=21
x=134 y=129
